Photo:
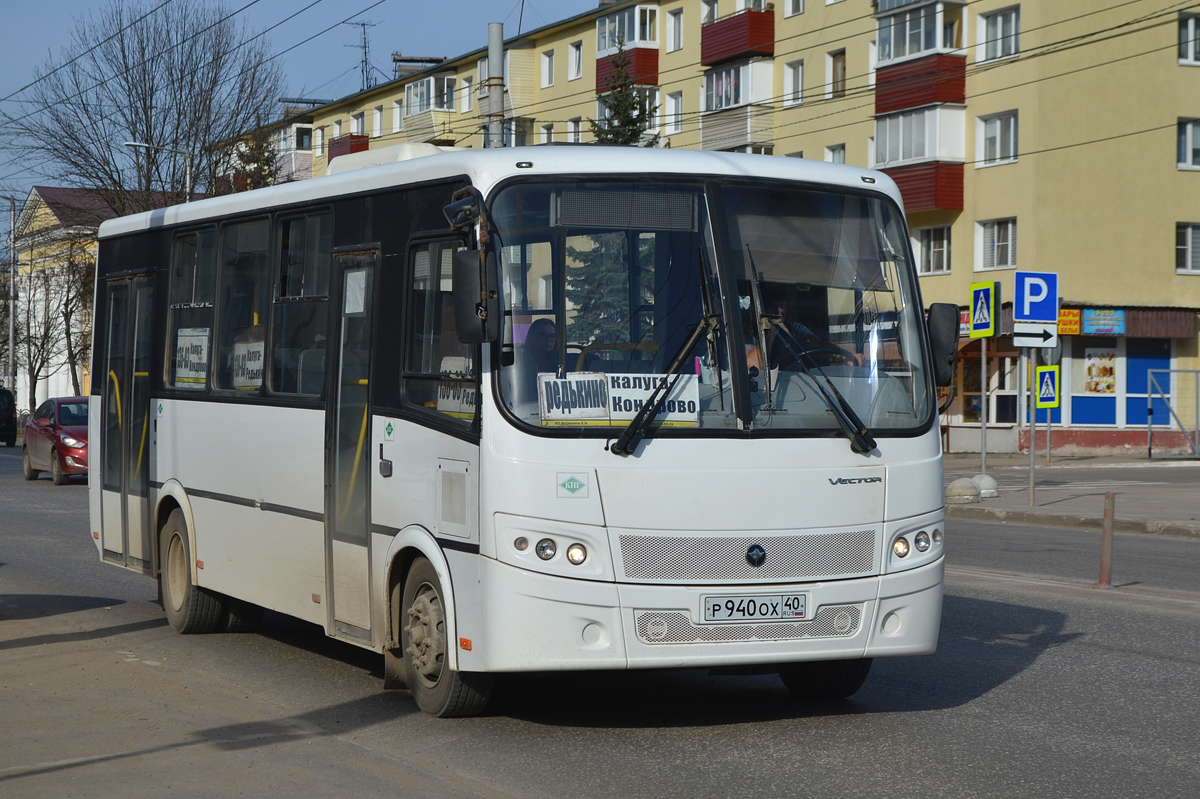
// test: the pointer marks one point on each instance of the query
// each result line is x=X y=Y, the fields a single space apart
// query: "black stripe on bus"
x=269 y=507
x=444 y=543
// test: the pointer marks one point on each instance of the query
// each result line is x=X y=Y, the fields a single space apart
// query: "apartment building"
x=1057 y=120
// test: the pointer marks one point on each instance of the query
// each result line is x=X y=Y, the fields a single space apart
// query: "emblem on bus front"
x=755 y=555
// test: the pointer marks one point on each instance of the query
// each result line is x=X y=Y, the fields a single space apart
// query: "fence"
x=1180 y=396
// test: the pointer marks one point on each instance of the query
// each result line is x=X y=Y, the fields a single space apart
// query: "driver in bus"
x=539 y=354
x=823 y=351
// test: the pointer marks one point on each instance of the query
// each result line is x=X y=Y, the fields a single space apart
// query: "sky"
x=328 y=67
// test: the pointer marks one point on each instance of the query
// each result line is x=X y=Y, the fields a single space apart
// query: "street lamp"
x=187 y=164
x=11 y=374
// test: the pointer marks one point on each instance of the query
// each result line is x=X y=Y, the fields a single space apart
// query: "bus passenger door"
x=348 y=420
x=124 y=500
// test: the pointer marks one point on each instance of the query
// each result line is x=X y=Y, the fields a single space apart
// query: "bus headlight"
x=546 y=548
x=900 y=547
x=922 y=541
x=576 y=553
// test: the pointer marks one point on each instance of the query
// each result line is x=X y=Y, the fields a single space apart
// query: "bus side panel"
x=255 y=479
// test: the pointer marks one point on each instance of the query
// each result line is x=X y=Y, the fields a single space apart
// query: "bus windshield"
x=747 y=306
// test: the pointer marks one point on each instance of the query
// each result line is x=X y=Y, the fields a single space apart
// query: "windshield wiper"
x=861 y=440
x=635 y=431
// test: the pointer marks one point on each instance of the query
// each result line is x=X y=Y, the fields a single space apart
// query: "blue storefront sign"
x=1103 y=322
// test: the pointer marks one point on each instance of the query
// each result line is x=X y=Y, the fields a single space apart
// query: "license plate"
x=787 y=607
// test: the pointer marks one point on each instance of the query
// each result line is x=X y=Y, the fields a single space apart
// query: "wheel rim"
x=177 y=577
x=426 y=632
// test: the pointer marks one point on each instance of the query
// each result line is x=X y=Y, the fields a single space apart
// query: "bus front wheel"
x=825 y=679
x=436 y=688
x=190 y=609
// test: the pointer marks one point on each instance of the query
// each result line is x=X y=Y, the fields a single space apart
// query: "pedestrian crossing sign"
x=1047 y=387
x=985 y=307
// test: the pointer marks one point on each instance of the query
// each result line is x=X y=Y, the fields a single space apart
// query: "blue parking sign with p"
x=985 y=307
x=1036 y=297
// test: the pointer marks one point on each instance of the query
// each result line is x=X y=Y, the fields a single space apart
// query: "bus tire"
x=26 y=467
x=436 y=688
x=189 y=609
x=239 y=616
x=825 y=679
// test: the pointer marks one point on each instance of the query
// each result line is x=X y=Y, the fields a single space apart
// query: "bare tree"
x=185 y=76
x=77 y=283
x=41 y=346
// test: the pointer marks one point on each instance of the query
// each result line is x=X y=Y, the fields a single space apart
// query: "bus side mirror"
x=943 y=341
x=476 y=306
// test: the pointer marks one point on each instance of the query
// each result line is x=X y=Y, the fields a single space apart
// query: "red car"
x=56 y=439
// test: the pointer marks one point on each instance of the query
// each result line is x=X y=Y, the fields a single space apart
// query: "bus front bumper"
x=537 y=622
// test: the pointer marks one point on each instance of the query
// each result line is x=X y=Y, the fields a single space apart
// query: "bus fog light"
x=546 y=548
x=900 y=547
x=576 y=553
x=521 y=544
x=922 y=541
x=937 y=536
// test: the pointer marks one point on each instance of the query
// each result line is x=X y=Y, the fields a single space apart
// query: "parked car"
x=56 y=439
x=8 y=418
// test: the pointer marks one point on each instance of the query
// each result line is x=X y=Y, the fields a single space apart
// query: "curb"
x=1173 y=529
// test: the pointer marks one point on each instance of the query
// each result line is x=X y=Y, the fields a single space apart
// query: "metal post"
x=983 y=405
x=10 y=377
x=495 y=115
x=1106 y=541
x=1049 y=413
x=1030 y=375
x=187 y=177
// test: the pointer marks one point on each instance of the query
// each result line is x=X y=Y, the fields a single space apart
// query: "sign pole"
x=983 y=406
x=1030 y=385
x=1048 y=422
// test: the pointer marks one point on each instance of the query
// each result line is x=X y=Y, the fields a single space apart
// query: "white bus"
x=550 y=408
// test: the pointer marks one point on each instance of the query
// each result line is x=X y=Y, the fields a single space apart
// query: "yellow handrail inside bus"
x=362 y=435
x=142 y=447
x=112 y=375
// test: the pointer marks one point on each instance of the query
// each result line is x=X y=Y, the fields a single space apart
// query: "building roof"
x=75 y=207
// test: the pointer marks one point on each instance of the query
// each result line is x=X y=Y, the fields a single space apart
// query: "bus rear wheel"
x=190 y=609
x=436 y=688
x=825 y=679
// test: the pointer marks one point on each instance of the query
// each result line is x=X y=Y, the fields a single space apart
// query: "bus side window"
x=190 y=311
x=439 y=372
x=241 y=310
x=301 y=305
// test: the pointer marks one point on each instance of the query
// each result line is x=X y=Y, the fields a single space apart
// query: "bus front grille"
x=789 y=558
x=677 y=627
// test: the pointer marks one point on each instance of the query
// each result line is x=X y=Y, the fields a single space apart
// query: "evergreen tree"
x=629 y=110
x=257 y=166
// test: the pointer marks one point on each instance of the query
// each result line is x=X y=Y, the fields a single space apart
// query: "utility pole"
x=10 y=377
x=494 y=136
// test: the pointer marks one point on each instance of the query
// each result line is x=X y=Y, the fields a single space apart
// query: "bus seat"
x=311 y=377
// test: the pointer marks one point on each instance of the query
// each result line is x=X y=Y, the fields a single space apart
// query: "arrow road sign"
x=1035 y=334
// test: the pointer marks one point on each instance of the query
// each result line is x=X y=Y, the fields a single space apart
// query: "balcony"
x=932 y=186
x=350 y=143
x=743 y=35
x=742 y=126
x=643 y=68
x=935 y=79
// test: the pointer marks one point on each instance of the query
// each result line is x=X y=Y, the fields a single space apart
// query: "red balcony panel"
x=936 y=186
x=740 y=36
x=350 y=143
x=934 y=79
x=643 y=65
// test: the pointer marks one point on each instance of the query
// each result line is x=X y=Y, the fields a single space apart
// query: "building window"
x=1189 y=40
x=901 y=137
x=319 y=140
x=1187 y=248
x=933 y=250
x=708 y=12
x=793 y=8
x=303 y=137
x=907 y=33
x=754 y=149
x=999 y=135
x=1189 y=144
x=1001 y=34
x=575 y=57
x=377 y=121
x=337 y=128
x=547 y=68
x=547 y=133
x=752 y=5
x=467 y=95
x=575 y=130
x=675 y=112
x=835 y=65
x=397 y=116
x=436 y=92
x=675 y=30
x=630 y=27
x=793 y=83
x=999 y=240
x=356 y=123
x=723 y=88
x=836 y=154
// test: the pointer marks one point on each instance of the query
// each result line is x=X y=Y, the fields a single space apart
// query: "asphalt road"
x=1041 y=686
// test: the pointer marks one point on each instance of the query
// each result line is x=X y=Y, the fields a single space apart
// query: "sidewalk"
x=1156 y=497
